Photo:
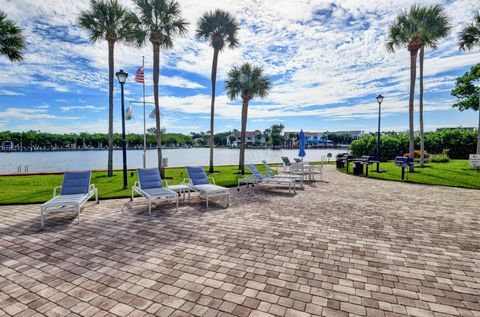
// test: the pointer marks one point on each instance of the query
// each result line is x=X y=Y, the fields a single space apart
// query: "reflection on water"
x=77 y=160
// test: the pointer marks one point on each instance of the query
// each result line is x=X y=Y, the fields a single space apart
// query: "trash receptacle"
x=340 y=164
x=357 y=168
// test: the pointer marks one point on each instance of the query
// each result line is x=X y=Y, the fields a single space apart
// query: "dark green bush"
x=459 y=144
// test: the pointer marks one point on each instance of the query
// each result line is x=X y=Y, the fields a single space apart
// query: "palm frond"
x=247 y=81
x=218 y=27
x=107 y=19
x=435 y=25
x=12 y=42
x=420 y=25
x=160 y=21
x=470 y=35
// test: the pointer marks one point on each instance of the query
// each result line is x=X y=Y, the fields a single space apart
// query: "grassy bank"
x=38 y=188
x=456 y=173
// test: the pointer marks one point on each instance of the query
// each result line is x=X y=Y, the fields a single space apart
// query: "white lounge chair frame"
x=206 y=194
x=267 y=180
x=59 y=201
x=167 y=195
x=270 y=173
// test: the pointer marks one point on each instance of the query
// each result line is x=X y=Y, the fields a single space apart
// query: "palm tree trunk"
x=241 y=165
x=111 y=68
x=156 y=75
x=420 y=109
x=413 y=74
x=212 y=108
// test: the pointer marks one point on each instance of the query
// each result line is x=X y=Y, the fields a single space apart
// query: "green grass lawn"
x=39 y=188
x=456 y=173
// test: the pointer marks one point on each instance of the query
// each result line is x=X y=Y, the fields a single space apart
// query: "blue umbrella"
x=301 y=145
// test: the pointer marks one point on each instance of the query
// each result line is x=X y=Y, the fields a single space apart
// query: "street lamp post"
x=478 y=132
x=379 y=148
x=122 y=78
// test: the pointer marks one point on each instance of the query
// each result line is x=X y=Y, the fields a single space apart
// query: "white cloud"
x=6 y=92
x=14 y=113
x=83 y=107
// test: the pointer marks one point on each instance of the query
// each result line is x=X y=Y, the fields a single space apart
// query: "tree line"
x=37 y=139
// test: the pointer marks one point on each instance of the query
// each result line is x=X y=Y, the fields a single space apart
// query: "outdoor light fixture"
x=122 y=78
x=379 y=148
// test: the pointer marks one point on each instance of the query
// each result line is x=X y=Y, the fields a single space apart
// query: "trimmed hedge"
x=458 y=142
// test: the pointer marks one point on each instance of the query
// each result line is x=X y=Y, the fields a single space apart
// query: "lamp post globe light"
x=122 y=78
x=379 y=147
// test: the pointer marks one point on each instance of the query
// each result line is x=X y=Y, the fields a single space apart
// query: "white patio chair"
x=201 y=182
x=267 y=180
x=75 y=191
x=150 y=186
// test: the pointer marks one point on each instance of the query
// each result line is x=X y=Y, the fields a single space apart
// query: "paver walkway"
x=352 y=246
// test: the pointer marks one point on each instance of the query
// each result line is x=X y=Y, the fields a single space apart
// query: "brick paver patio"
x=352 y=246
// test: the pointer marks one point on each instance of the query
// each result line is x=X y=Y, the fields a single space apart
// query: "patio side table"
x=181 y=189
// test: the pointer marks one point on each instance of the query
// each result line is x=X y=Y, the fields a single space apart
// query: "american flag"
x=139 y=77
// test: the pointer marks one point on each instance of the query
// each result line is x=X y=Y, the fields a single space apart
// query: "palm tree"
x=108 y=20
x=220 y=29
x=247 y=82
x=435 y=26
x=470 y=38
x=12 y=42
x=407 y=31
x=159 y=21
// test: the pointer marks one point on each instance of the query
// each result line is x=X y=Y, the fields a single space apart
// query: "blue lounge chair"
x=149 y=185
x=200 y=182
x=75 y=191
x=259 y=178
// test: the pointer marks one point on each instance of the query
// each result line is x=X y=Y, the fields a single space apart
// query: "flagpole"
x=144 y=120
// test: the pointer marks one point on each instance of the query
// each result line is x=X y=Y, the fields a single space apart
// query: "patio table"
x=181 y=189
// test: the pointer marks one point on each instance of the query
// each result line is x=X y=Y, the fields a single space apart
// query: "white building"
x=251 y=138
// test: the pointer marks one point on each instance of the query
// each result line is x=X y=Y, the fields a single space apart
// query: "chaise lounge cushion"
x=65 y=200
x=210 y=188
x=149 y=178
x=197 y=175
x=156 y=192
x=75 y=183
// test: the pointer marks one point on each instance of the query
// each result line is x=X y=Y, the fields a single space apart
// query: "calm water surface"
x=78 y=160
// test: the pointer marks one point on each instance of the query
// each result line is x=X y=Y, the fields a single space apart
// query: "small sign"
x=474 y=160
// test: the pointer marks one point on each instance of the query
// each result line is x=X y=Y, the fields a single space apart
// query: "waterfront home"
x=251 y=138
x=7 y=146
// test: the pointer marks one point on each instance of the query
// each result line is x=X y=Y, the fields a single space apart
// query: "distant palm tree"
x=12 y=42
x=108 y=20
x=159 y=21
x=220 y=29
x=470 y=38
x=435 y=26
x=246 y=82
x=407 y=31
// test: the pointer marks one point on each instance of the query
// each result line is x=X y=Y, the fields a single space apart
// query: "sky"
x=326 y=61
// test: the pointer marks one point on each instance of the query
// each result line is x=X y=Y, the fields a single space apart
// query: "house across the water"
x=7 y=146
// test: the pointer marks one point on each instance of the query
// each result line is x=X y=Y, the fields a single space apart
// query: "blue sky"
x=326 y=59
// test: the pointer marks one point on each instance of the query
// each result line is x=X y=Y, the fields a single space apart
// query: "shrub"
x=439 y=158
x=458 y=142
